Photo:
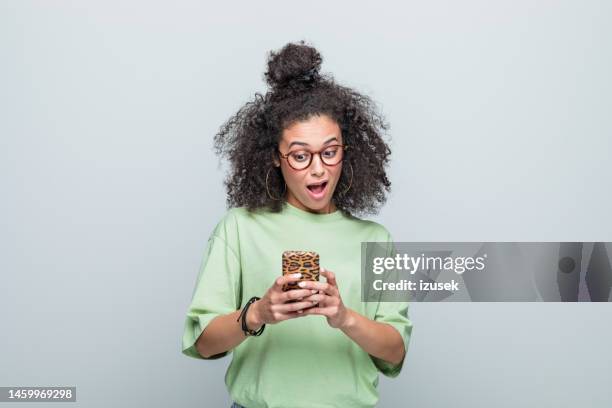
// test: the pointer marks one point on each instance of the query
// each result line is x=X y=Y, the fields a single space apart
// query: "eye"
x=300 y=156
x=330 y=152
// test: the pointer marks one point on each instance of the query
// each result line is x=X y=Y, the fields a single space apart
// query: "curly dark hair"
x=298 y=91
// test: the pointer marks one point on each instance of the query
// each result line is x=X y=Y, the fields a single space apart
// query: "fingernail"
x=299 y=311
x=301 y=284
x=314 y=302
x=296 y=275
x=313 y=291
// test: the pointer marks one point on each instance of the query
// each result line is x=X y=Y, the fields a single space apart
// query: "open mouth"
x=317 y=190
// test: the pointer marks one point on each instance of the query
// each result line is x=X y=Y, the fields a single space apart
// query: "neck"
x=329 y=208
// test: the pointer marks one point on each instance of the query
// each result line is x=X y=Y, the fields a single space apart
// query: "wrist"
x=253 y=320
x=350 y=320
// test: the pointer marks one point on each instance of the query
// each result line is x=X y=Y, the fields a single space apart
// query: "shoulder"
x=234 y=218
x=228 y=227
x=371 y=228
x=377 y=233
x=244 y=213
x=241 y=215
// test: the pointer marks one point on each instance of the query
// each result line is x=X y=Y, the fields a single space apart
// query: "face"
x=304 y=188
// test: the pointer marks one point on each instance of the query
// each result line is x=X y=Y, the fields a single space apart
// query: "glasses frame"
x=344 y=147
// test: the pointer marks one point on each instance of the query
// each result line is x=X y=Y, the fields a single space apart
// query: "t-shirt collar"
x=307 y=215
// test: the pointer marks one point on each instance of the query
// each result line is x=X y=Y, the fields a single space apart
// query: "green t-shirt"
x=300 y=362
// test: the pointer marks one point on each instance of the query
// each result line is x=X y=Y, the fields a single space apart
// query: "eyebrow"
x=306 y=144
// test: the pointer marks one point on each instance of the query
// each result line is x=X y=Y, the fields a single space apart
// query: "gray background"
x=110 y=188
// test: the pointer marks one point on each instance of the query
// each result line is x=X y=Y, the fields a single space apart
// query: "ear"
x=275 y=159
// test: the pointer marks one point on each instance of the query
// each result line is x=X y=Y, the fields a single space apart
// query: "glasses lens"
x=332 y=155
x=299 y=159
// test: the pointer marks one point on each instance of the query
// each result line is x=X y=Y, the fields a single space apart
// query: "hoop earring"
x=350 y=182
x=268 y=190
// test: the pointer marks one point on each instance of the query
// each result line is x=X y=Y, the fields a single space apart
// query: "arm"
x=378 y=339
x=224 y=332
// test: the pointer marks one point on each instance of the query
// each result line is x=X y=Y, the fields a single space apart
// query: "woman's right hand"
x=273 y=307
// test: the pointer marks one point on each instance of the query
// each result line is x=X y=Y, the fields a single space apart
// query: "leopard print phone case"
x=305 y=262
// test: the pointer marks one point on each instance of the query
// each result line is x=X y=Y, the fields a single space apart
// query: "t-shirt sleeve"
x=218 y=286
x=396 y=315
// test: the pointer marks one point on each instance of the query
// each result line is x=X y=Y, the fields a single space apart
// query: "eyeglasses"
x=301 y=159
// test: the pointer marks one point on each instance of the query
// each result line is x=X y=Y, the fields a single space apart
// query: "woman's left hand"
x=329 y=302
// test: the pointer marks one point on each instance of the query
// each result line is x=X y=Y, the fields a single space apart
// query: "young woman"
x=305 y=158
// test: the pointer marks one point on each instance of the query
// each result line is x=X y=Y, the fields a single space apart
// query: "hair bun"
x=295 y=63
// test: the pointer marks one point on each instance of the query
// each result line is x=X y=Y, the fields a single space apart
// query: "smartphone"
x=305 y=262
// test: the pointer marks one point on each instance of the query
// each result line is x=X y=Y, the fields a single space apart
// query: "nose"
x=316 y=167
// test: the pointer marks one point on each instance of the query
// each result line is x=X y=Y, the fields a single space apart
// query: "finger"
x=329 y=276
x=286 y=316
x=322 y=286
x=294 y=294
x=319 y=298
x=323 y=311
x=282 y=280
x=292 y=307
x=279 y=315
